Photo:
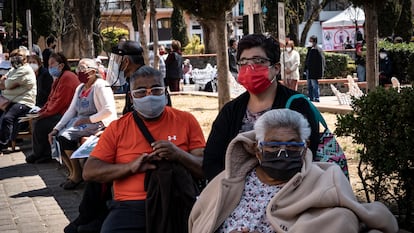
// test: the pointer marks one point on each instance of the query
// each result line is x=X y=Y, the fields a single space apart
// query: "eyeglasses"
x=84 y=68
x=293 y=149
x=253 y=60
x=142 y=92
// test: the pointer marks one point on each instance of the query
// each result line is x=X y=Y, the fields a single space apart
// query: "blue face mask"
x=54 y=71
x=150 y=106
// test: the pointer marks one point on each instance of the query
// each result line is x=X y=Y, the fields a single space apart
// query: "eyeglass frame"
x=301 y=145
x=85 y=69
x=254 y=60
x=148 y=91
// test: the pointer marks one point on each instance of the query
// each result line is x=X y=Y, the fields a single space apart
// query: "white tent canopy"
x=339 y=31
x=348 y=17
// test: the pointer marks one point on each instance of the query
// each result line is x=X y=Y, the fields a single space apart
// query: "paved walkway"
x=30 y=197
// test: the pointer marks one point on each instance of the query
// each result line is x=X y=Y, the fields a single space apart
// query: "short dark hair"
x=60 y=58
x=50 y=40
x=146 y=72
x=231 y=41
x=267 y=43
x=314 y=38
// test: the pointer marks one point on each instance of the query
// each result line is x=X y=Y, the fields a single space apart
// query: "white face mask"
x=310 y=44
x=289 y=49
x=34 y=66
x=383 y=55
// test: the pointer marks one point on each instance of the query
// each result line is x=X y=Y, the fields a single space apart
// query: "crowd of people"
x=152 y=169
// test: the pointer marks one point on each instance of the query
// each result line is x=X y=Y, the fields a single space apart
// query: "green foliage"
x=271 y=20
x=336 y=63
x=194 y=46
x=178 y=27
x=206 y=9
x=111 y=36
x=402 y=57
x=382 y=121
x=389 y=16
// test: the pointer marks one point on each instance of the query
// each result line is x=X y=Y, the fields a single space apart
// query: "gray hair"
x=147 y=72
x=282 y=118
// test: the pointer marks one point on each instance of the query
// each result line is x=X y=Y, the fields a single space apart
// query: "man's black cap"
x=128 y=47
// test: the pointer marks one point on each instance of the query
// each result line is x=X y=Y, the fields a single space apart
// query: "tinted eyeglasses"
x=291 y=149
x=142 y=92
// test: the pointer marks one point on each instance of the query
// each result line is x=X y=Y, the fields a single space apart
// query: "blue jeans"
x=313 y=89
x=125 y=217
x=361 y=73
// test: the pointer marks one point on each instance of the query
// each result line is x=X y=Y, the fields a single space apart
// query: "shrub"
x=402 y=57
x=111 y=36
x=194 y=46
x=382 y=123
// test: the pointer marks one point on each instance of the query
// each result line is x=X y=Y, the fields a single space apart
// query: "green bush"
x=194 y=46
x=336 y=64
x=382 y=122
x=111 y=37
x=402 y=57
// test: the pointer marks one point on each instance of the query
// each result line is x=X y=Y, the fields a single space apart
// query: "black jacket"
x=229 y=121
x=315 y=63
x=171 y=193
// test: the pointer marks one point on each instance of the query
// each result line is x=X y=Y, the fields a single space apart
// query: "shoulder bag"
x=329 y=149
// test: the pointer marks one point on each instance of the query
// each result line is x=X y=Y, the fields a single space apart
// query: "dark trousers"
x=125 y=217
x=174 y=84
x=9 y=122
x=41 y=128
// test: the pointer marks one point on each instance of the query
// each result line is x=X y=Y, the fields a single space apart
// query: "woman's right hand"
x=51 y=134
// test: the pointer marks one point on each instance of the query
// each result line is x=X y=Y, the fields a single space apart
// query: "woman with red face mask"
x=258 y=59
x=92 y=108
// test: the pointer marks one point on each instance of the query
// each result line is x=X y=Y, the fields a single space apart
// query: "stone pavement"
x=30 y=197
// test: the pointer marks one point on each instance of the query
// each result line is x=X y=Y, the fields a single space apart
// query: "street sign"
x=281 y=21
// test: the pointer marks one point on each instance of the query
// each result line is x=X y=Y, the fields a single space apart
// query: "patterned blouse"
x=249 y=119
x=251 y=211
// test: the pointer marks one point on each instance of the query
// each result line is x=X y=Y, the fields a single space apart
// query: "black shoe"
x=32 y=158
x=92 y=227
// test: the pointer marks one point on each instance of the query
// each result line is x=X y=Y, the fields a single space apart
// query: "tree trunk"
x=316 y=10
x=220 y=33
x=142 y=37
x=208 y=36
x=77 y=35
x=153 y=13
x=371 y=36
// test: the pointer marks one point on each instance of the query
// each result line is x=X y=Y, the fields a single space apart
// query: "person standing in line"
x=314 y=68
x=360 y=61
x=385 y=67
x=290 y=61
x=232 y=52
x=51 y=45
x=173 y=65
x=187 y=69
x=63 y=88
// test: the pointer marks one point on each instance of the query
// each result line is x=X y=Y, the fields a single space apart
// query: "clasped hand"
x=162 y=149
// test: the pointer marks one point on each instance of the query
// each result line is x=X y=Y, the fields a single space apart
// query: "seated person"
x=63 y=88
x=92 y=108
x=271 y=185
x=123 y=155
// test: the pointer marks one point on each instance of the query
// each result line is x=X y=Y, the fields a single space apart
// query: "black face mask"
x=282 y=167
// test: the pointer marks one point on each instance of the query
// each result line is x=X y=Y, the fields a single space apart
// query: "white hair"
x=282 y=118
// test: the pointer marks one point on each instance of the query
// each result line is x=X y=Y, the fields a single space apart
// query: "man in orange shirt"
x=123 y=154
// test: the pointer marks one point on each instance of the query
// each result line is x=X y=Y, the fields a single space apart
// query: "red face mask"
x=255 y=78
x=83 y=77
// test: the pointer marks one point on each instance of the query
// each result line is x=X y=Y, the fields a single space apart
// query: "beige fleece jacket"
x=318 y=199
